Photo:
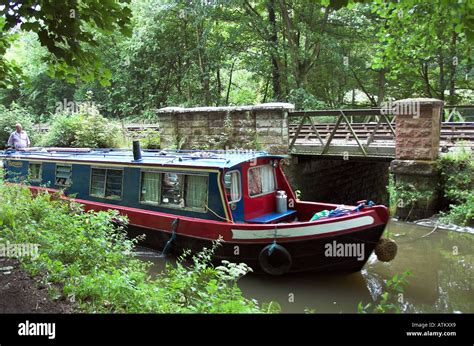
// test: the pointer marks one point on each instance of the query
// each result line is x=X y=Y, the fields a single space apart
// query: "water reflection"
x=441 y=262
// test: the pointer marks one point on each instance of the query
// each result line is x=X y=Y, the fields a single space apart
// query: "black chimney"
x=137 y=153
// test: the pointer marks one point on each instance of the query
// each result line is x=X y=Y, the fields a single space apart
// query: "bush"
x=457 y=179
x=82 y=129
x=461 y=213
x=62 y=131
x=303 y=100
x=9 y=117
x=90 y=261
x=149 y=139
x=406 y=195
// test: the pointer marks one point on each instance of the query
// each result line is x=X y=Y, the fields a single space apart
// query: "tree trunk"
x=219 y=86
x=230 y=84
x=266 y=91
x=426 y=79
x=302 y=66
x=381 y=87
x=453 y=65
x=203 y=65
x=442 y=83
x=273 y=41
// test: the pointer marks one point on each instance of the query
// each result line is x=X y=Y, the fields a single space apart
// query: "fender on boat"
x=274 y=259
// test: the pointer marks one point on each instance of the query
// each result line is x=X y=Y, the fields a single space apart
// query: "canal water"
x=441 y=263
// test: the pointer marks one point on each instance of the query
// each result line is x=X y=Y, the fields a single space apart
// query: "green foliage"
x=9 y=117
x=9 y=70
x=457 y=186
x=185 y=53
x=457 y=173
x=86 y=128
x=435 y=49
x=391 y=300
x=304 y=100
x=62 y=132
x=149 y=139
x=461 y=213
x=89 y=258
x=406 y=195
x=68 y=29
x=392 y=194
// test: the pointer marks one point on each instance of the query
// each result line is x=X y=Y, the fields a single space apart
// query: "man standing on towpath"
x=19 y=138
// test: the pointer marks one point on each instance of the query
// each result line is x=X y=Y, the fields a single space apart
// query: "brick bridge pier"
x=334 y=178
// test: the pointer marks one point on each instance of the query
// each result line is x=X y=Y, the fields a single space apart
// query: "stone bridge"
x=338 y=156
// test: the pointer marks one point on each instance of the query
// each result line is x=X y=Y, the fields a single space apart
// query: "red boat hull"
x=307 y=255
x=305 y=243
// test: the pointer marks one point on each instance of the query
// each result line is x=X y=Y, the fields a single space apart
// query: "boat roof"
x=185 y=158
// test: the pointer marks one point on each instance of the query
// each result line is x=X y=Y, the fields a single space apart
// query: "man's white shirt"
x=19 y=140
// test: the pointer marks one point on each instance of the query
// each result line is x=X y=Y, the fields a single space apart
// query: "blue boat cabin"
x=205 y=185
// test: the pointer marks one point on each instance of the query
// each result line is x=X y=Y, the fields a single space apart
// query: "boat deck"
x=195 y=158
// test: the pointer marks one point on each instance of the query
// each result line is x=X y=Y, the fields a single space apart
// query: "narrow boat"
x=188 y=199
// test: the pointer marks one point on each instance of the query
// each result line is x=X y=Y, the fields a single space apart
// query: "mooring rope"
x=398 y=241
x=174 y=226
x=215 y=214
x=272 y=247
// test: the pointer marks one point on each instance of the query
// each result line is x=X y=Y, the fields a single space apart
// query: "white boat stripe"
x=293 y=232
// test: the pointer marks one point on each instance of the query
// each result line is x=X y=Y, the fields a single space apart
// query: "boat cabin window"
x=151 y=186
x=174 y=190
x=196 y=192
x=34 y=171
x=106 y=183
x=171 y=189
x=261 y=180
x=63 y=175
x=232 y=186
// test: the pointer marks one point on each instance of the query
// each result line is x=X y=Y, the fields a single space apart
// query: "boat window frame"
x=240 y=186
x=140 y=187
x=263 y=193
x=40 y=172
x=183 y=191
x=195 y=209
x=105 y=182
x=56 y=174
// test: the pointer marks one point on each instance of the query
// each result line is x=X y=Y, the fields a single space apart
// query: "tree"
x=317 y=54
x=67 y=29
x=429 y=52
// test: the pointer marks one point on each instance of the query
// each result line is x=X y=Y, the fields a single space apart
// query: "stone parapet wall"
x=263 y=126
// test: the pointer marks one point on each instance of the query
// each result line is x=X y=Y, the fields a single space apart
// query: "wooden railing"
x=458 y=113
x=348 y=135
x=367 y=132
